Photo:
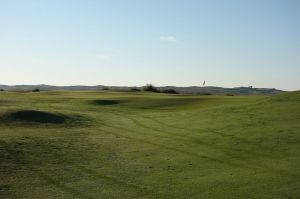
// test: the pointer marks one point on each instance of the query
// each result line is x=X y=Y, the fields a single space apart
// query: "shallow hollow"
x=105 y=102
x=36 y=116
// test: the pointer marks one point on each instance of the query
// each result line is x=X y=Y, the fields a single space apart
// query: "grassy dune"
x=87 y=144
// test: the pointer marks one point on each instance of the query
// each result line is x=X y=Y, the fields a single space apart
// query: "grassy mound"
x=287 y=97
x=166 y=102
x=36 y=116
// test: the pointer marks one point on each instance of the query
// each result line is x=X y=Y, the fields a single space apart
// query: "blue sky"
x=165 y=42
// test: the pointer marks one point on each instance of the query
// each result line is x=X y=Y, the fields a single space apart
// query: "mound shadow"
x=36 y=116
x=105 y=102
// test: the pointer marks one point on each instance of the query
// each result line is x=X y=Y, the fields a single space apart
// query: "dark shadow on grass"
x=42 y=117
x=105 y=102
x=36 y=116
x=4 y=102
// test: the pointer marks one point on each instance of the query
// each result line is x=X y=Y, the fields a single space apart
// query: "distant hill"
x=185 y=90
x=222 y=91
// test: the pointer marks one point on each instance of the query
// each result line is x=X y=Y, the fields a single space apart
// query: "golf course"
x=105 y=144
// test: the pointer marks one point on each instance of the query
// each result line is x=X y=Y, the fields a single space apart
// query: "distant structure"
x=204 y=83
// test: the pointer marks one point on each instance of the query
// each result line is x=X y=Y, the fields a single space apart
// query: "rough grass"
x=149 y=146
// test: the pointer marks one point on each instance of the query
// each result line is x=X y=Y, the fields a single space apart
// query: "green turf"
x=94 y=144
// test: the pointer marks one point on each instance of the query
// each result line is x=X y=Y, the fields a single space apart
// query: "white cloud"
x=168 y=39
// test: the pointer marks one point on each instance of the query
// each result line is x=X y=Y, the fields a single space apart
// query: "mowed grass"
x=94 y=144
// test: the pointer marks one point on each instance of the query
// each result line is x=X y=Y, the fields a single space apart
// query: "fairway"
x=104 y=144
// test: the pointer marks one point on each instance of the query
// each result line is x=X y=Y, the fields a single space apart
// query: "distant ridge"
x=184 y=90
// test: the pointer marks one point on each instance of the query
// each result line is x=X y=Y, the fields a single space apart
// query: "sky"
x=228 y=43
